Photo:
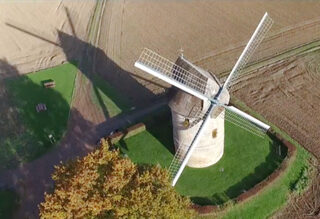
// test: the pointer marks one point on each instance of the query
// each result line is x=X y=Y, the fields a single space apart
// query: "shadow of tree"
x=24 y=131
x=31 y=180
x=11 y=129
x=8 y=203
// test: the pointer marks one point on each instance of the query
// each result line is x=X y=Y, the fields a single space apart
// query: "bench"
x=49 y=84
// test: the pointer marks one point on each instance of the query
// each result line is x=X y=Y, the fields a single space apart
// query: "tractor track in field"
x=278 y=42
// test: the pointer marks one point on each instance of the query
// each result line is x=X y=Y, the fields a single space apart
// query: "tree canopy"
x=105 y=184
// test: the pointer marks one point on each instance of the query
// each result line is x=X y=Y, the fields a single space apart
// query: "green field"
x=30 y=139
x=8 y=203
x=107 y=98
x=247 y=160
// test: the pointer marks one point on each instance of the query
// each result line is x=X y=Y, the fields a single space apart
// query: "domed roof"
x=188 y=105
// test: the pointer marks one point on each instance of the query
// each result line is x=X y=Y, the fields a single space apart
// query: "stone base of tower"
x=202 y=159
x=211 y=144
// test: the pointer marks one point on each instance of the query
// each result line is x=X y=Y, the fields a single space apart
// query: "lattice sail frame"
x=255 y=40
x=168 y=71
x=176 y=162
x=243 y=123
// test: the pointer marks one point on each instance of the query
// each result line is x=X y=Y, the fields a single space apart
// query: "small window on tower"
x=214 y=133
x=186 y=123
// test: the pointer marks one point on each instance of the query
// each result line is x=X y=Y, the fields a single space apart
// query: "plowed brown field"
x=205 y=30
x=287 y=93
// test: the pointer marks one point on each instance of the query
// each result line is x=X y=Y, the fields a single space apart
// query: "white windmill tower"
x=200 y=106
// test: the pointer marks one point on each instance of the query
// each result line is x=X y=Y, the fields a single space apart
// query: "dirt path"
x=83 y=94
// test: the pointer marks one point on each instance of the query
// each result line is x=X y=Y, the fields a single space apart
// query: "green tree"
x=106 y=185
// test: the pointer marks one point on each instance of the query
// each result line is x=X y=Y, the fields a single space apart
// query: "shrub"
x=301 y=183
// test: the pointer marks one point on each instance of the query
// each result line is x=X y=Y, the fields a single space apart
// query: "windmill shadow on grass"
x=109 y=80
x=122 y=88
x=276 y=155
x=159 y=125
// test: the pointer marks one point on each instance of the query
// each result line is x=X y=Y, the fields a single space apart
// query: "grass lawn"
x=275 y=195
x=247 y=160
x=105 y=96
x=31 y=139
x=8 y=203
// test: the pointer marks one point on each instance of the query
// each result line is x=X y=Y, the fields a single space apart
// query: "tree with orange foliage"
x=106 y=185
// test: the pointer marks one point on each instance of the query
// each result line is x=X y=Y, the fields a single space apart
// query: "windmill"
x=200 y=104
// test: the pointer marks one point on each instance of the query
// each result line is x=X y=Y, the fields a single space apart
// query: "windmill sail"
x=245 y=121
x=255 y=40
x=149 y=61
x=177 y=162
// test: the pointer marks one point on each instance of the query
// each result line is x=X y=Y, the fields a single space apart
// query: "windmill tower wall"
x=187 y=112
x=211 y=145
